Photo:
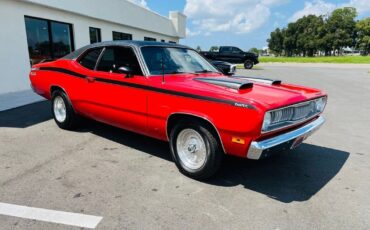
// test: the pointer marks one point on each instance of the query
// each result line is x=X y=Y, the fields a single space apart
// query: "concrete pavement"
x=131 y=181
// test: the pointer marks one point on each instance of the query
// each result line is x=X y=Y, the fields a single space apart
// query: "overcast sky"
x=243 y=23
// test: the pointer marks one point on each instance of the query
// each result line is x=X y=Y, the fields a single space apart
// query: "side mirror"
x=125 y=70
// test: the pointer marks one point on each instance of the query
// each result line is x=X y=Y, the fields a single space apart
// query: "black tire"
x=71 y=119
x=214 y=152
x=248 y=64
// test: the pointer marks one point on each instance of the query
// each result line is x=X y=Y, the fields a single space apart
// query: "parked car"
x=170 y=92
x=233 y=55
x=225 y=67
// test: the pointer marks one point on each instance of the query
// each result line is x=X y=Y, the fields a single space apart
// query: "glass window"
x=172 y=42
x=38 y=40
x=89 y=59
x=236 y=50
x=95 y=35
x=115 y=57
x=150 y=39
x=61 y=37
x=47 y=40
x=227 y=49
x=170 y=60
x=163 y=40
x=121 y=36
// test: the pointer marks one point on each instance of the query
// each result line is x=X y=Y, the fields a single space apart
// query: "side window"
x=226 y=49
x=236 y=50
x=116 y=57
x=89 y=59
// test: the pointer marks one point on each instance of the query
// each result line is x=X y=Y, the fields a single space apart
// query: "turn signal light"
x=238 y=140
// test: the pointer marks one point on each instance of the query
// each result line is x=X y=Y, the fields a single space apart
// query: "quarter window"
x=89 y=59
x=115 y=57
x=121 y=36
x=95 y=35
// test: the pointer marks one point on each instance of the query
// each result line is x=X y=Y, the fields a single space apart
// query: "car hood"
x=262 y=95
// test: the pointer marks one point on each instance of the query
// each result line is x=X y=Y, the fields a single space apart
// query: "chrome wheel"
x=191 y=149
x=60 y=111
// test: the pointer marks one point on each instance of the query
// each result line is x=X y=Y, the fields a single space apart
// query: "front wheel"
x=62 y=111
x=196 y=150
x=248 y=64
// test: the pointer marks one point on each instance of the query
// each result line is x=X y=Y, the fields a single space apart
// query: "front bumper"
x=290 y=140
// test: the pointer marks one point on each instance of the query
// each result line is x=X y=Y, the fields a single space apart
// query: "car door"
x=115 y=98
x=238 y=55
x=227 y=54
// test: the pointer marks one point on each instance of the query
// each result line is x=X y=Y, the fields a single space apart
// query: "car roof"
x=132 y=43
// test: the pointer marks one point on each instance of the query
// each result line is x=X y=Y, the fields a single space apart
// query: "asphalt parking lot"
x=130 y=180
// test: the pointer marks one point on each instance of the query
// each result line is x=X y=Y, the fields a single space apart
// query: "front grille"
x=304 y=111
x=294 y=113
x=233 y=69
x=282 y=115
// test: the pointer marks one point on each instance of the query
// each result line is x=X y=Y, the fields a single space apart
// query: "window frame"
x=99 y=34
x=236 y=49
x=102 y=48
x=50 y=33
x=116 y=46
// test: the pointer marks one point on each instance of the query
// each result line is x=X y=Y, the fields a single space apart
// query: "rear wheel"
x=248 y=64
x=62 y=111
x=195 y=149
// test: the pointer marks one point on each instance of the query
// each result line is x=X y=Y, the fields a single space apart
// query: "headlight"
x=320 y=104
x=266 y=121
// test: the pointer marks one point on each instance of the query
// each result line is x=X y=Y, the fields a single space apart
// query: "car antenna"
x=162 y=65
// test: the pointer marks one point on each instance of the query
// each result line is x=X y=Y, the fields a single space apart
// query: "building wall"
x=14 y=57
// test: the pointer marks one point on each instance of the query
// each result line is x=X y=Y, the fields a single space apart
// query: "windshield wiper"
x=179 y=72
x=205 y=71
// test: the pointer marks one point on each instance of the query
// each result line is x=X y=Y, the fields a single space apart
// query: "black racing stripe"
x=150 y=88
x=61 y=70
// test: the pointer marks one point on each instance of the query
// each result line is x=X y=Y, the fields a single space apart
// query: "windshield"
x=175 y=60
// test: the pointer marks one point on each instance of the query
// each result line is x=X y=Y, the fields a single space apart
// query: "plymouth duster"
x=172 y=93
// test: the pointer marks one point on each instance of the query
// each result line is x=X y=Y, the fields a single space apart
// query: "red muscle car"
x=170 y=92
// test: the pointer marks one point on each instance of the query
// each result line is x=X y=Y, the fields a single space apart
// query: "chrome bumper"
x=290 y=140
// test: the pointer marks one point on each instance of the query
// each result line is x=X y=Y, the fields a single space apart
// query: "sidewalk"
x=16 y=99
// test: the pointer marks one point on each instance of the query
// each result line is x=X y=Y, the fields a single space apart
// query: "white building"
x=34 y=30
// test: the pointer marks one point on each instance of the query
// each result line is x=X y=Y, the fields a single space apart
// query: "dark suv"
x=233 y=55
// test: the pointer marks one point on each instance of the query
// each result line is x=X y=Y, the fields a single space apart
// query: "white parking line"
x=59 y=217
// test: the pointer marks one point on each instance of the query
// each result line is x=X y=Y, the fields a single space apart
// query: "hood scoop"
x=238 y=84
x=260 y=80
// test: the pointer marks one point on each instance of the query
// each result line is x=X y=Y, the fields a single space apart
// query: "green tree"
x=276 y=41
x=198 y=49
x=307 y=34
x=290 y=40
x=363 y=33
x=341 y=27
x=254 y=50
x=311 y=33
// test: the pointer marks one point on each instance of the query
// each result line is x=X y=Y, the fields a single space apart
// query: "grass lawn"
x=340 y=59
